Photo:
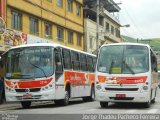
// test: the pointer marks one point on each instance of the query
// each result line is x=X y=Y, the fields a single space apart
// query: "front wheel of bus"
x=92 y=97
x=65 y=101
x=26 y=104
x=104 y=104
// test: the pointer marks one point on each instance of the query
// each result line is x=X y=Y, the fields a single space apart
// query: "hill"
x=153 y=42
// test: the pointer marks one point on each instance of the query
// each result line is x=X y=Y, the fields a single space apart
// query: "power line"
x=132 y=20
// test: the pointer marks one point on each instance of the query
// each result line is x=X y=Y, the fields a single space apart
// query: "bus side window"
x=90 y=64
x=75 y=60
x=66 y=59
x=58 y=63
x=83 y=62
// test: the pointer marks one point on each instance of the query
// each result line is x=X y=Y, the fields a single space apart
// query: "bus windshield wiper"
x=110 y=69
x=38 y=68
x=129 y=68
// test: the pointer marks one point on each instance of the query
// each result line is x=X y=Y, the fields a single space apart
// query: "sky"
x=143 y=17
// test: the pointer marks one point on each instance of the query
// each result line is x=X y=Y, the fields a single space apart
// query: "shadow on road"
x=126 y=106
x=51 y=104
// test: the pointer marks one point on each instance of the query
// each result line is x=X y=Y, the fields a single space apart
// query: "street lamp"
x=127 y=25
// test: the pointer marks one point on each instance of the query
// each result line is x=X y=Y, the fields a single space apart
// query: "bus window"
x=83 y=62
x=66 y=59
x=58 y=63
x=90 y=63
x=75 y=60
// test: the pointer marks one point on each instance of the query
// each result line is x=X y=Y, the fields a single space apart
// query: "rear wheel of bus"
x=26 y=104
x=104 y=104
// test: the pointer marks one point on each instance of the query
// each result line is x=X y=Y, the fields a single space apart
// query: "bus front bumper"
x=122 y=96
x=45 y=95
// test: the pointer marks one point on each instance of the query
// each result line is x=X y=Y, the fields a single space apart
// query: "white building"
x=109 y=25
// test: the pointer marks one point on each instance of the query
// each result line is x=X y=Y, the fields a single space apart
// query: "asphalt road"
x=77 y=106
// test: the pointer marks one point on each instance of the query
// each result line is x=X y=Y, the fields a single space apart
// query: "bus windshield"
x=29 y=62
x=123 y=59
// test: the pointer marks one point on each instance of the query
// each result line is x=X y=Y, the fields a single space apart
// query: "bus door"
x=58 y=64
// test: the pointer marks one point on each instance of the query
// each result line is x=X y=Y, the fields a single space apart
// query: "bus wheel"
x=153 y=100
x=1 y=97
x=92 y=96
x=147 y=104
x=104 y=104
x=26 y=104
x=65 y=101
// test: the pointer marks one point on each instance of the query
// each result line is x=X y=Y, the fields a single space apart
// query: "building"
x=109 y=25
x=59 y=21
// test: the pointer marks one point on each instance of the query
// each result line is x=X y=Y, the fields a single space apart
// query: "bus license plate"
x=27 y=96
x=120 y=95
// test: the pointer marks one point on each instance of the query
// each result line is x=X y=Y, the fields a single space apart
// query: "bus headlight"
x=48 y=87
x=9 y=89
x=98 y=87
x=145 y=87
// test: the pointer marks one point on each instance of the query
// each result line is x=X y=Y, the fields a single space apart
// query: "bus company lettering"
x=75 y=77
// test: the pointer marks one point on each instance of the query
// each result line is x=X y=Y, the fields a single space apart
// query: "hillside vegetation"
x=153 y=42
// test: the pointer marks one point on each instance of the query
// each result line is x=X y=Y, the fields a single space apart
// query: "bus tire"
x=26 y=104
x=92 y=96
x=147 y=104
x=154 y=99
x=1 y=98
x=65 y=101
x=104 y=104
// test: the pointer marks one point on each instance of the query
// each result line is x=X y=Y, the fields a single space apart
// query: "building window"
x=48 y=29
x=107 y=27
x=70 y=37
x=60 y=34
x=112 y=30
x=117 y=33
x=91 y=42
x=16 y=21
x=60 y=3
x=78 y=10
x=33 y=25
x=79 y=41
x=69 y=5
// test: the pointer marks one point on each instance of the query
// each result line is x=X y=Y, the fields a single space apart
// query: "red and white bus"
x=126 y=72
x=48 y=71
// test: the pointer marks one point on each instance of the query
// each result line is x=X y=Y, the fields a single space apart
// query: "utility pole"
x=97 y=27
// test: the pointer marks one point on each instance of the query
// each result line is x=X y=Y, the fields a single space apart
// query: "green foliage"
x=153 y=42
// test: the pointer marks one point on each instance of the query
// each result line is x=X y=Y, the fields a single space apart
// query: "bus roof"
x=49 y=44
x=127 y=43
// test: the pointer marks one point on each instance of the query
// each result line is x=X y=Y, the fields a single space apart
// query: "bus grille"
x=122 y=89
x=30 y=90
x=33 y=97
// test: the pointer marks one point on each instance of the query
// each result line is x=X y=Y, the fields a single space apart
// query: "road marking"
x=152 y=111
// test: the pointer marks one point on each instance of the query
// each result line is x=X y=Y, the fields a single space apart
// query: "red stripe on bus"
x=28 y=83
x=124 y=80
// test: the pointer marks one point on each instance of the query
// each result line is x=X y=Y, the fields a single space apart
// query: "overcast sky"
x=143 y=17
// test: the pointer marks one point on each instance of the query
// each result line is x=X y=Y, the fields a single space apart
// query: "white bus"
x=126 y=72
x=48 y=71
